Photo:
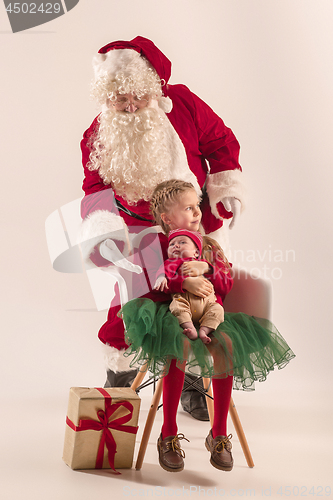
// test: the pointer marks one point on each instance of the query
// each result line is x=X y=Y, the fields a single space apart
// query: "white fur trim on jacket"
x=116 y=361
x=99 y=226
x=223 y=184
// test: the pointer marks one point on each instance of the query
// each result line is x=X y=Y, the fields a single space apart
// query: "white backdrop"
x=265 y=66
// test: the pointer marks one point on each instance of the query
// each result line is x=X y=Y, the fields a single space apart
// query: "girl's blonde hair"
x=164 y=196
x=212 y=252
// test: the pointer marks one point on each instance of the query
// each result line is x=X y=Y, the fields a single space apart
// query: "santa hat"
x=113 y=62
x=133 y=61
x=195 y=236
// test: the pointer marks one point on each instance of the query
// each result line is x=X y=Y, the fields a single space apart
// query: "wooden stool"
x=154 y=406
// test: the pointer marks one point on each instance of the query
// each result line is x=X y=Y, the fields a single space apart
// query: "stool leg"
x=149 y=424
x=240 y=433
x=140 y=376
x=209 y=401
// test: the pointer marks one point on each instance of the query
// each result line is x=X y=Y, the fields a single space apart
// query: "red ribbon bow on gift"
x=104 y=425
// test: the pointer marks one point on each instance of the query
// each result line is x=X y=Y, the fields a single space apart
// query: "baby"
x=186 y=246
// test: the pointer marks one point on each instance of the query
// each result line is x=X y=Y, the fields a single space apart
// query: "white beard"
x=134 y=152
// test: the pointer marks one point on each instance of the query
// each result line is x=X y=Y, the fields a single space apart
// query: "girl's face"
x=185 y=214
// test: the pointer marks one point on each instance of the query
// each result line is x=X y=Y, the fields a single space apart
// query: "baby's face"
x=182 y=247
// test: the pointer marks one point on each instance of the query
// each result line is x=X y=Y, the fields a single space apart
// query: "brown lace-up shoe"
x=220 y=449
x=170 y=454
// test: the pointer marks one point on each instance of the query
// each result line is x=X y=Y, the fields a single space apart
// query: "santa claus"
x=148 y=131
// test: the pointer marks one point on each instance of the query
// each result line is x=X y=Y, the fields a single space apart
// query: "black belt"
x=129 y=212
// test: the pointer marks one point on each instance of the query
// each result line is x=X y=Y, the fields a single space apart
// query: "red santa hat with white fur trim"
x=137 y=66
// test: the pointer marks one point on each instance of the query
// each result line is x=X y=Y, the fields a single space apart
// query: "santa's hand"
x=233 y=205
x=161 y=284
x=109 y=250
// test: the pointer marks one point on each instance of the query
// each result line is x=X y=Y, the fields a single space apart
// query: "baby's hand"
x=161 y=284
x=194 y=268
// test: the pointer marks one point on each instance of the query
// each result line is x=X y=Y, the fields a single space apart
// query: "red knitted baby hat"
x=194 y=235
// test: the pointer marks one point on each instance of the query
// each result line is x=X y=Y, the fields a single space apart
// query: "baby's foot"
x=204 y=331
x=189 y=330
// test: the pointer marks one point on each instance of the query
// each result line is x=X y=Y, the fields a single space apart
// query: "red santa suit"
x=205 y=152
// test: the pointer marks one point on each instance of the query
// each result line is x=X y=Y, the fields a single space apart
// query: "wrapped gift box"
x=101 y=425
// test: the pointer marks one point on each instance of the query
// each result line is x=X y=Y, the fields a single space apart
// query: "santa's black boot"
x=120 y=379
x=193 y=402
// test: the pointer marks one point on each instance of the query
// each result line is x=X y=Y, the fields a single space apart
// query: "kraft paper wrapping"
x=81 y=447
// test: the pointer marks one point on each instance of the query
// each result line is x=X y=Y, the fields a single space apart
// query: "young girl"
x=242 y=349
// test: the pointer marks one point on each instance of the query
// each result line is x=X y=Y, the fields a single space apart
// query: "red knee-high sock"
x=222 y=393
x=172 y=389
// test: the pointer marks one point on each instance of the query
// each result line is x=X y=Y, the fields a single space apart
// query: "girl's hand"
x=198 y=285
x=194 y=268
x=161 y=284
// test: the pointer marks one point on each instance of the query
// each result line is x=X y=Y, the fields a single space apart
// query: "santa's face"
x=182 y=247
x=185 y=213
x=129 y=103
x=132 y=151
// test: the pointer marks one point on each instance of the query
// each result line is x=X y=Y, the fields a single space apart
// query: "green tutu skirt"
x=243 y=346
